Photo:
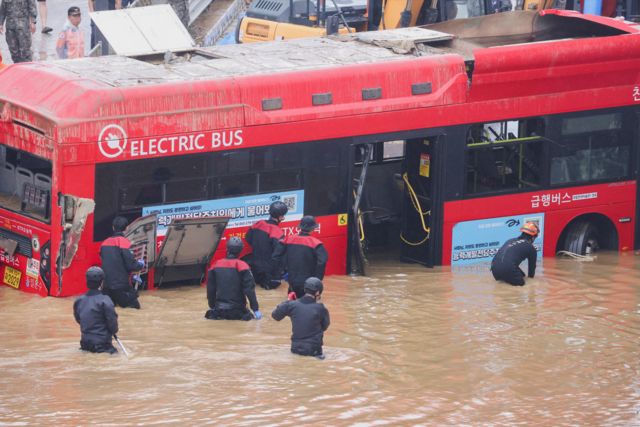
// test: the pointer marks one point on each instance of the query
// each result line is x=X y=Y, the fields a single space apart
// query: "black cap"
x=234 y=245
x=313 y=286
x=73 y=10
x=278 y=209
x=95 y=276
x=308 y=223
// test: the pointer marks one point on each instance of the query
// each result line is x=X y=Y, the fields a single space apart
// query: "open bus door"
x=418 y=201
x=185 y=252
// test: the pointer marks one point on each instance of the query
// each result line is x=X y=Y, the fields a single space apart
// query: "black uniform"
x=505 y=264
x=118 y=262
x=266 y=239
x=98 y=321
x=305 y=256
x=309 y=320
x=229 y=285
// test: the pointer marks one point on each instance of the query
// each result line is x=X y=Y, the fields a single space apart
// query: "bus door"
x=185 y=252
x=418 y=200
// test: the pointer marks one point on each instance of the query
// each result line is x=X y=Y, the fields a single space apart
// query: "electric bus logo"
x=112 y=141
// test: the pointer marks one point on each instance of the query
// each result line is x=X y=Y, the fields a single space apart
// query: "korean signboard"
x=479 y=240
x=243 y=211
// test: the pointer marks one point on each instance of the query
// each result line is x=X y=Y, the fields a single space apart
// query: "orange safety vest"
x=70 y=42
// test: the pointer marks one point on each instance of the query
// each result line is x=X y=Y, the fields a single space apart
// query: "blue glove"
x=137 y=278
x=257 y=314
x=141 y=264
x=285 y=276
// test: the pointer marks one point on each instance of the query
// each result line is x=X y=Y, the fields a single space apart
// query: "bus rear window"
x=25 y=183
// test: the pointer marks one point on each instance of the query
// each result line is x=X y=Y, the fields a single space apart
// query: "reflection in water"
x=406 y=346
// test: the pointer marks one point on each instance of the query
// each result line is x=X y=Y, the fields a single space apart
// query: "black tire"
x=582 y=238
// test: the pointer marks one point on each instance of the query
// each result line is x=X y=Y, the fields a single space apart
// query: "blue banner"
x=243 y=211
x=478 y=241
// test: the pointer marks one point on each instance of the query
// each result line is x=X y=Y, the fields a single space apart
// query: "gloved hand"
x=137 y=278
x=285 y=276
x=258 y=314
x=141 y=263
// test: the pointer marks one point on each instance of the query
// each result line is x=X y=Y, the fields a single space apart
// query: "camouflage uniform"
x=181 y=7
x=16 y=16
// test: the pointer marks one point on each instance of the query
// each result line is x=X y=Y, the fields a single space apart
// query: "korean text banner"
x=243 y=211
x=478 y=241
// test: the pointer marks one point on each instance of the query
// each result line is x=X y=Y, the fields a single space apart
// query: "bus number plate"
x=12 y=277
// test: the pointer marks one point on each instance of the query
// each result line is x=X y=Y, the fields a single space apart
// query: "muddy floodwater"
x=406 y=346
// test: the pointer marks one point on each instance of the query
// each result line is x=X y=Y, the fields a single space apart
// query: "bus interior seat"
x=23 y=176
x=8 y=178
x=43 y=181
x=381 y=199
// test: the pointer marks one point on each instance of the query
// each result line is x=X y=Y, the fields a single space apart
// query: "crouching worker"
x=506 y=263
x=309 y=319
x=229 y=285
x=96 y=315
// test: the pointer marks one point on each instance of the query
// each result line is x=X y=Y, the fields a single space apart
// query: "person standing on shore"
x=18 y=22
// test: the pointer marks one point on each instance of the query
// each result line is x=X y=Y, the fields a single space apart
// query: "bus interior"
x=25 y=183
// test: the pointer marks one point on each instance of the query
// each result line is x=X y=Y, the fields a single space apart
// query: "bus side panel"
x=78 y=181
x=560 y=206
x=29 y=268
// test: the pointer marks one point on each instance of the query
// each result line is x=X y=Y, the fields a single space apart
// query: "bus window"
x=280 y=180
x=25 y=183
x=235 y=185
x=504 y=156
x=592 y=148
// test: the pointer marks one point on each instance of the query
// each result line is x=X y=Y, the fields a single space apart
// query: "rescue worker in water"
x=118 y=262
x=96 y=315
x=229 y=284
x=309 y=319
x=506 y=263
x=304 y=256
x=266 y=239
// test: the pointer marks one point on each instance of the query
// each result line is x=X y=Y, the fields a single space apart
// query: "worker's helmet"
x=234 y=245
x=278 y=209
x=313 y=286
x=530 y=228
x=119 y=223
x=95 y=276
x=308 y=223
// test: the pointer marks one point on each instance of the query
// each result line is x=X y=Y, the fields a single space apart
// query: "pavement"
x=44 y=45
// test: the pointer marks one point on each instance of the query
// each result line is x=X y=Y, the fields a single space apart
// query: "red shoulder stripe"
x=272 y=230
x=309 y=241
x=117 y=241
x=235 y=264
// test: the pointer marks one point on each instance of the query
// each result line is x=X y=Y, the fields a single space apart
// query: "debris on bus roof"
x=143 y=30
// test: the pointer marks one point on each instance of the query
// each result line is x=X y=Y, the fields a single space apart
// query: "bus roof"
x=55 y=90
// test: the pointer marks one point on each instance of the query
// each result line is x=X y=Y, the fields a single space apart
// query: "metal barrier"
x=96 y=51
x=196 y=7
x=233 y=12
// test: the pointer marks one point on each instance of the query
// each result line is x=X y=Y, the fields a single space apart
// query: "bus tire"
x=582 y=238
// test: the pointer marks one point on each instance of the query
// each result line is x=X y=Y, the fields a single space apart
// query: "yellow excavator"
x=268 y=20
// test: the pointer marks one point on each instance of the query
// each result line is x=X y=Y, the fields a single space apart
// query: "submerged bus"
x=430 y=145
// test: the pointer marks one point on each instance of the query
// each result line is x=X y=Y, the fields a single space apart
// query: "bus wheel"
x=582 y=238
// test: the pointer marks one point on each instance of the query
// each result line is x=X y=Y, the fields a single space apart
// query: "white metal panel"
x=143 y=30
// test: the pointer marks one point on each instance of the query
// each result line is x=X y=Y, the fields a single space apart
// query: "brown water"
x=407 y=346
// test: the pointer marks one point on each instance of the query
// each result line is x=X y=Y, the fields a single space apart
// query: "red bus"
x=425 y=144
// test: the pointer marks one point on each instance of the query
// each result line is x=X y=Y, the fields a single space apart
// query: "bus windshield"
x=25 y=183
